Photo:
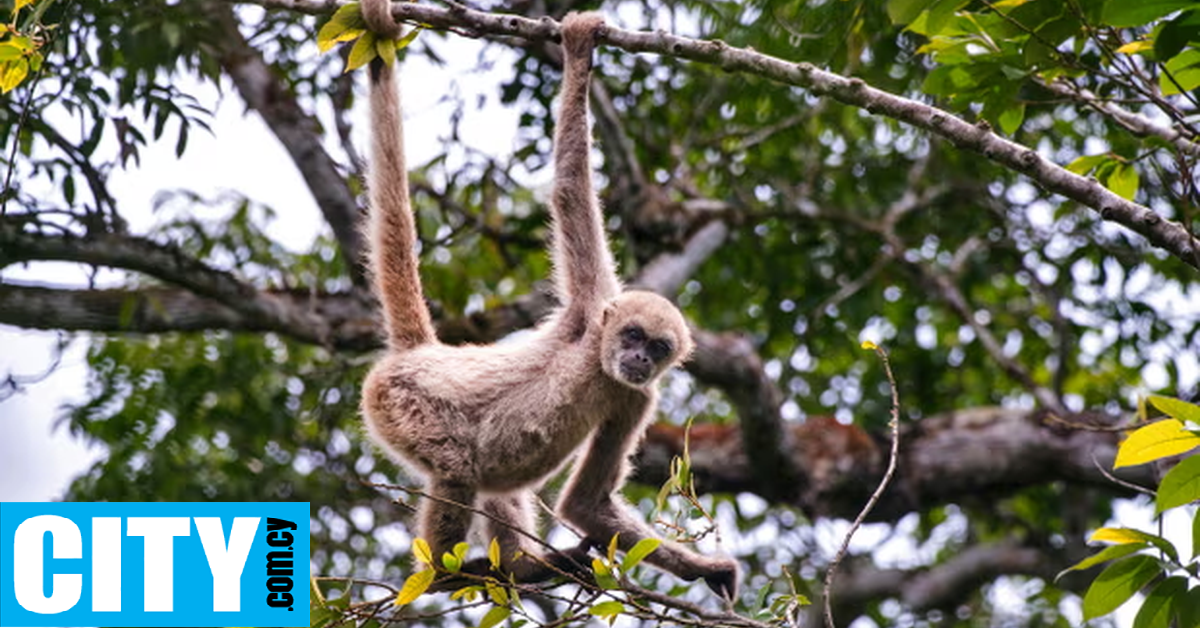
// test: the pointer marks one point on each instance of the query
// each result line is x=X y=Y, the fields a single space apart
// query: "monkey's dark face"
x=640 y=357
x=643 y=336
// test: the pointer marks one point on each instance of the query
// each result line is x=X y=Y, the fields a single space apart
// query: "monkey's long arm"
x=391 y=228
x=591 y=502
x=585 y=273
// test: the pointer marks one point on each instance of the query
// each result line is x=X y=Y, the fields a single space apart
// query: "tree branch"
x=1168 y=235
x=299 y=133
x=167 y=263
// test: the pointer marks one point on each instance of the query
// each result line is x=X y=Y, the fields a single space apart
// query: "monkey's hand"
x=579 y=34
x=722 y=578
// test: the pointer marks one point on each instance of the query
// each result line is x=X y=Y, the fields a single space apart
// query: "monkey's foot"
x=722 y=578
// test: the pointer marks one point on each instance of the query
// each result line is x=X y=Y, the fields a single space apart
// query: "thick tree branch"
x=1168 y=235
x=1135 y=123
x=967 y=456
x=167 y=263
x=299 y=132
x=942 y=586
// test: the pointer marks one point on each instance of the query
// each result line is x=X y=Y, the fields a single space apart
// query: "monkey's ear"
x=604 y=314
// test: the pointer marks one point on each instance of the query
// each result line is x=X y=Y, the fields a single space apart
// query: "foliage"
x=1141 y=559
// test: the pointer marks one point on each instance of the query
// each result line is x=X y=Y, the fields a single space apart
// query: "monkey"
x=486 y=425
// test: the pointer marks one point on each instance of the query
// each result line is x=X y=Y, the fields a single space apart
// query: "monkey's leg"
x=446 y=514
x=510 y=520
x=590 y=502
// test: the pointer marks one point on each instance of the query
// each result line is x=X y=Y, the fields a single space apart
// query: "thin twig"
x=894 y=424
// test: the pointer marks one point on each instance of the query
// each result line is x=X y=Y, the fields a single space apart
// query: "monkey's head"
x=643 y=335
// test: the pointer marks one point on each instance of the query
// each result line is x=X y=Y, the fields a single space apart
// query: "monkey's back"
x=499 y=417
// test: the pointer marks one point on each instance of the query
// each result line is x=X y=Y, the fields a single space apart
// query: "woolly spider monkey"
x=486 y=425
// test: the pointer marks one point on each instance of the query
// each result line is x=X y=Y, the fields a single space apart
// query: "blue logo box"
x=154 y=564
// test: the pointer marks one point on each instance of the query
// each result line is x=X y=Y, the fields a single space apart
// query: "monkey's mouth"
x=634 y=374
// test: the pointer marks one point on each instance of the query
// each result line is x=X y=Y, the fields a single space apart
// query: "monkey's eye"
x=658 y=349
x=633 y=334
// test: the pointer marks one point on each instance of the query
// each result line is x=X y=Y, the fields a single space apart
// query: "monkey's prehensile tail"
x=391 y=229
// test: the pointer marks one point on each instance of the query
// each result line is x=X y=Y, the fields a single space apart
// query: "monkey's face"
x=643 y=335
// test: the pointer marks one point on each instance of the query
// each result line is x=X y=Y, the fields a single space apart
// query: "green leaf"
x=1123 y=181
x=345 y=24
x=1176 y=34
x=1117 y=583
x=1179 y=486
x=1160 y=439
x=363 y=51
x=1112 y=552
x=1187 y=608
x=638 y=552
x=414 y=586
x=451 y=562
x=1196 y=535
x=1159 y=605
x=1083 y=165
x=1184 y=69
x=904 y=11
x=612 y=548
x=494 y=616
x=1176 y=408
x=1010 y=119
x=1125 y=13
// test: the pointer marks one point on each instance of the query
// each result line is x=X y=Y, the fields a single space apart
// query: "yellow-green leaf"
x=612 y=549
x=1177 y=409
x=638 y=552
x=1161 y=439
x=451 y=562
x=494 y=553
x=363 y=52
x=421 y=550
x=1123 y=181
x=1112 y=552
x=325 y=45
x=408 y=38
x=469 y=594
x=494 y=616
x=498 y=593
x=1128 y=535
x=1135 y=47
x=1083 y=165
x=1119 y=536
x=21 y=4
x=1180 y=485
x=345 y=24
x=8 y=51
x=386 y=51
x=607 y=610
x=12 y=73
x=414 y=586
